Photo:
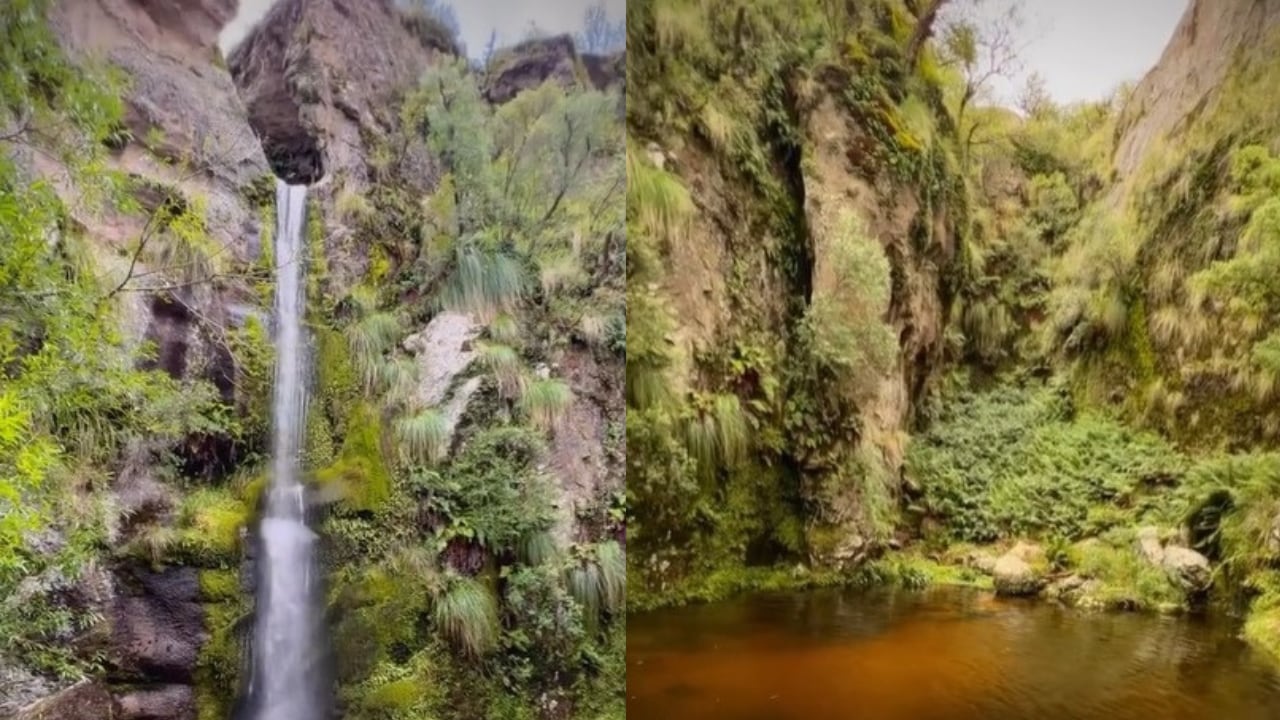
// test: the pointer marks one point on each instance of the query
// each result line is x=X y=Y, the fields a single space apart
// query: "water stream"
x=287 y=677
x=941 y=655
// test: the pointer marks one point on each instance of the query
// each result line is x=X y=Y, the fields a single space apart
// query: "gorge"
x=884 y=331
x=311 y=365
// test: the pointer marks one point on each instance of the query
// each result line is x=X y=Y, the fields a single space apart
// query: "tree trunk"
x=924 y=29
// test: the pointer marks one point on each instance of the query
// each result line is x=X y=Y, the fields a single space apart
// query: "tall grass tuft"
x=504 y=362
x=655 y=197
x=423 y=438
x=504 y=329
x=467 y=615
x=537 y=548
x=545 y=402
x=483 y=283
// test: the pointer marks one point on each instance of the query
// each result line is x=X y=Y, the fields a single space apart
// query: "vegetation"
x=455 y=591
x=446 y=567
x=1101 y=349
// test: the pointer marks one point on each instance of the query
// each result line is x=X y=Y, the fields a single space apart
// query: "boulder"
x=1015 y=575
x=1187 y=568
x=1148 y=545
x=162 y=702
x=85 y=700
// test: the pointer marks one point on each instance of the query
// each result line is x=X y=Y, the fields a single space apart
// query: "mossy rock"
x=361 y=474
x=210 y=524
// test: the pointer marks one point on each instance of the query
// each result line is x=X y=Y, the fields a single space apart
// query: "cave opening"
x=294 y=155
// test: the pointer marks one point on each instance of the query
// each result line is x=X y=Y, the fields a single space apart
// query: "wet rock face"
x=158 y=625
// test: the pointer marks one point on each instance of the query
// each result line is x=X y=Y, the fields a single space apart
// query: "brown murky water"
x=940 y=655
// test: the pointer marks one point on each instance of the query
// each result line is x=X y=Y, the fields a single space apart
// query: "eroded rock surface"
x=158 y=625
x=444 y=351
x=82 y=701
x=581 y=447
x=531 y=63
x=1206 y=43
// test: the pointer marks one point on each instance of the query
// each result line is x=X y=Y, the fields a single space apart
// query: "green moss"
x=209 y=526
x=219 y=585
x=319 y=450
x=360 y=473
x=337 y=383
x=266 y=233
x=218 y=665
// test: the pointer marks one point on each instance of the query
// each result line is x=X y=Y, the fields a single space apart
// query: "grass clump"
x=423 y=438
x=1122 y=579
x=545 y=402
x=466 y=614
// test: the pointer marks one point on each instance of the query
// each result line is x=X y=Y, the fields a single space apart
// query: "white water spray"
x=286 y=675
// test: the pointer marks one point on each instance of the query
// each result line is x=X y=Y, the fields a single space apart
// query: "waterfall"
x=286 y=674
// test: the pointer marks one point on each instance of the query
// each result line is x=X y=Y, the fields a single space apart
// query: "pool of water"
x=938 y=655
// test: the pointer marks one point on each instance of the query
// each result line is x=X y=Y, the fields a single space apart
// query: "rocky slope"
x=311 y=98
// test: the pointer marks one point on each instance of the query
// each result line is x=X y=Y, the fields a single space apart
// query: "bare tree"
x=599 y=35
x=985 y=44
x=490 y=48
x=1034 y=99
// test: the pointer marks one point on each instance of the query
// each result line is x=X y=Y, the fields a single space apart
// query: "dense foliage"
x=74 y=393
x=455 y=534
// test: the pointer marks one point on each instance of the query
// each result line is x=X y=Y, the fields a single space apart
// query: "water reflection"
x=945 y=655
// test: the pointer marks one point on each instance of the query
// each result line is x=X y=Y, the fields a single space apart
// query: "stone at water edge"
x=1014 y=573
x=1187 y=568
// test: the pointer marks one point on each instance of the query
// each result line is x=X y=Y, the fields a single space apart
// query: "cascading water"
x=287 y=677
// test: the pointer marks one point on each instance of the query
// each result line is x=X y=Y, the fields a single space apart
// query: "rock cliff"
x=1212 y=38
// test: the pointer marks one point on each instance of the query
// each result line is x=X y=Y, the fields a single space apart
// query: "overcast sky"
x=1083 y=48
x=1086 y=48
x=511 y=18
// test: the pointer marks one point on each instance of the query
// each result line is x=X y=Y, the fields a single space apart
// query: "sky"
x=1083 y=48
x=1087 y=48
x=511 y=18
